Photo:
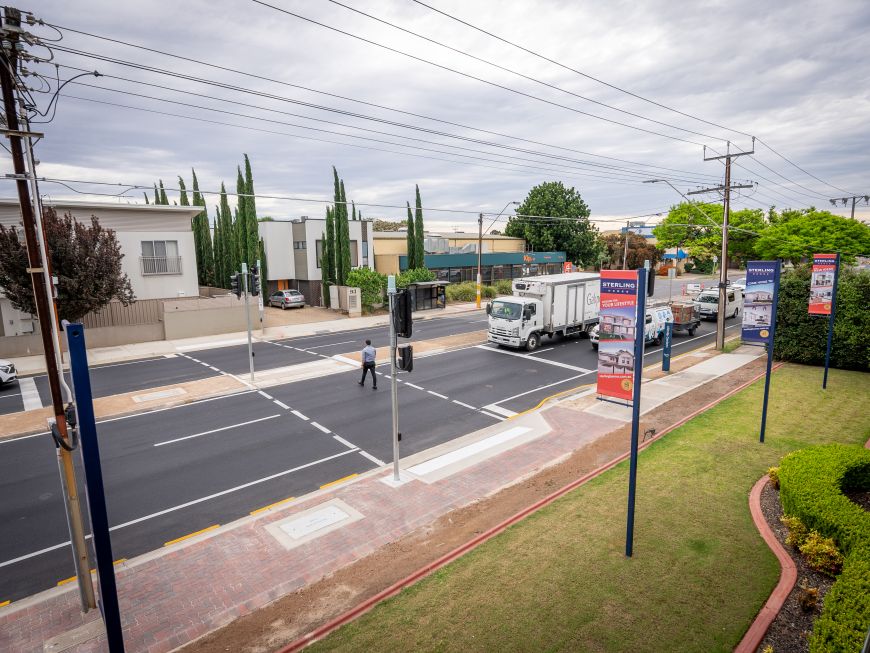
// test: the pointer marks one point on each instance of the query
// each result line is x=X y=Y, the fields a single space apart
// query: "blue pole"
x=770 y=349
x=831 y=321
x=666 y=350
x=87 y=428
x=635 y=407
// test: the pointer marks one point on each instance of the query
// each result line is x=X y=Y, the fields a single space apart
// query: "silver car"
x=8 y=372
x=287 y=299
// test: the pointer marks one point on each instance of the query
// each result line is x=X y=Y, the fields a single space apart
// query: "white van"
x=708 y=303
x=653 y=329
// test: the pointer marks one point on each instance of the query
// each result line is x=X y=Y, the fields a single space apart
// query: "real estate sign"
x=617 y=324
x=759 y=301
x=822 y=283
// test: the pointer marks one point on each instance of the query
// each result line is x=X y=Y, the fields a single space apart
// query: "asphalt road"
x=10 y=398
x=175 y=471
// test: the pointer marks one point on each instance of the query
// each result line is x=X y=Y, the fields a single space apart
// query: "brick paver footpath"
x=174 y=595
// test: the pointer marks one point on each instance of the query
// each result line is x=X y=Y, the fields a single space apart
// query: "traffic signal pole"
x=394 y=389
x=248 y=321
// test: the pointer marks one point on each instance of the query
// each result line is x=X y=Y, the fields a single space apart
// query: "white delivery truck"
x=549 y=304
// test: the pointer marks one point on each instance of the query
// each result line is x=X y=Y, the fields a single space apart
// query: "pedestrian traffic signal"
x=406 y=357
x=402 y=314
x=235 y=288
x=255 y=280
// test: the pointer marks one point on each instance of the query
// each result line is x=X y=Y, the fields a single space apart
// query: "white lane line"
x=540 y=351
x=411 y=385
x=432 y=392
x=333 y=344
x=538 y=360
x=212 y=367
x=498 y=409
x=195 y=360
x=349 y=445
x=299 y=415
x=493 y=415
x=464 y=405
x=181 y=506
x=29 y=394
x=264 y=394
x=11 y=394
x=543 y=387
x=223 y=428
x=204 y=364
x=282 y=404
x=321 y=427
x=376 y=461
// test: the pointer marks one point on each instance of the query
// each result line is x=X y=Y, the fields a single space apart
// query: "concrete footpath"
x=202 y=582
x=27 y=365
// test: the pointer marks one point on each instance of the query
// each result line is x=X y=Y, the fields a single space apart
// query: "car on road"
x=708 y=303
x=739 y=284
x=654 y=326
x=287 y=299
x=8 y=373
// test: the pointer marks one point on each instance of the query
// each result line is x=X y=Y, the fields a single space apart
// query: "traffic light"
x=402 y=314
x=235 y=288
x=255 y=280
x=406 y=357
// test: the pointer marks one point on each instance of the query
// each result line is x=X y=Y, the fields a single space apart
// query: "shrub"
x=822 y=554
x=467 y=292
x=797 y=532
x=773 y=473
x=808 y=597
x=370 y=283
x=414 y=275
x=504 y=287
x=811 y=488
x=802 y=338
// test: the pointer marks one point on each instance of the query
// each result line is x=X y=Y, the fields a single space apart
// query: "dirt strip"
x=300 y=612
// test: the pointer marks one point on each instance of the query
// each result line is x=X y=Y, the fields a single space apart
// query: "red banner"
x=822 y=283
x=617 y=325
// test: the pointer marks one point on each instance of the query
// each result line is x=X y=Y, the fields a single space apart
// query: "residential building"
x=156 y=241
x=294 y=248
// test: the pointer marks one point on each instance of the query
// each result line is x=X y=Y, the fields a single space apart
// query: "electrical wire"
x=806 y=172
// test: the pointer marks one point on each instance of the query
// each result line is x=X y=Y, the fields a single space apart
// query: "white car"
x=654 y=326
x=708 y=303
x=740 y=284
x=8 y=373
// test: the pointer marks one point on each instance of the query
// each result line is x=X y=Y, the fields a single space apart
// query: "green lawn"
x=558 y=581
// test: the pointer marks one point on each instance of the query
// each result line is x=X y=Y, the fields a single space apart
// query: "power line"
x=474 y=77
x=806 y=172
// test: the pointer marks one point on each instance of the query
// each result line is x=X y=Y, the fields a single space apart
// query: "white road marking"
x=349 y=445
x=170 y=355
x=321 y=427
x=432 y=392
x=282 y=404
x=493 y=415
x=11 y=394
x=212 y=367
x=411 y=385
x=181 y=506
x=264 y=394
x=539 y=360
x=29 y=394
x=543 y=387
x=540 y=351
x=499 y=410
x=376 y=461
x=464 y=405
x=223 y=428
x=467 y=451
x=299 y=415
x=333 y=344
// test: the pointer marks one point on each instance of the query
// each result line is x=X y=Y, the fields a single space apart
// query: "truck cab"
x=513 y=320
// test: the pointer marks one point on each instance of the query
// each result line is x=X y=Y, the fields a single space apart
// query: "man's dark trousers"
x=369 y=366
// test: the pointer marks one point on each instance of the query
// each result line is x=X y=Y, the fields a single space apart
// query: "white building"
x=157 y=243
x=294 y=247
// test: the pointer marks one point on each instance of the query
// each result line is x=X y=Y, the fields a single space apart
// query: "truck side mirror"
x=489 y=308
x=527 y=313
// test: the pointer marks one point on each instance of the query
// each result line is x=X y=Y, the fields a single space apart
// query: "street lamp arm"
x=499 y=215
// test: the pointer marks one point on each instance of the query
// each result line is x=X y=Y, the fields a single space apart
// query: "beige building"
x=390 y=245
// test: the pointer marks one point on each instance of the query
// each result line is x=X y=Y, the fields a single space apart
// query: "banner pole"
x=770 y=348
x=831 y=321
x=640 y=322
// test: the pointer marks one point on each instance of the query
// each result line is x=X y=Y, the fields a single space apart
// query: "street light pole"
x=248 y=320
x=479 y=249
x=394 y=391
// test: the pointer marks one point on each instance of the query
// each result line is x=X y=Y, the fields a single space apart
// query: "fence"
x=143 y=311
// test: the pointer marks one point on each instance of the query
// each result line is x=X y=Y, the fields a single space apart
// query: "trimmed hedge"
x=802 y=338
x=811 y=488
x=467 y=292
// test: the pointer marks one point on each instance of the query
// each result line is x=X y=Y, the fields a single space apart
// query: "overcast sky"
x=794 y=74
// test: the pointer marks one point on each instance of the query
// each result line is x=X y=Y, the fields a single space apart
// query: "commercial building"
x=294 y=248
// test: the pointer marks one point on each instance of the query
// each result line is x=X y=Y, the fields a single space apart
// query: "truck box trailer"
x=565 y=304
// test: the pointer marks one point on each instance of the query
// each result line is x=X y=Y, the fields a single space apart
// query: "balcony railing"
x=160 y=265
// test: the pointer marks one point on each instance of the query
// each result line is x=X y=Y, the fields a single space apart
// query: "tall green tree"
x=411 y=239
x=571 y=232
x=264 y=264
x=218 y=248
x=146 y=197
x=156 y=195
x=251 y=222
x=697 y=228
x=183 y=199
x=163 y=198
x=229 y=254
x=345 y=237
x=205 y=263
x=327 y=259
x=797 y=235
x=338 y=233
x=241 y=218
x=419 y=238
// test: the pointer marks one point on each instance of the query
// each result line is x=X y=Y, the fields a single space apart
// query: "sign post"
x=666 y=349
x=759 y=316
x=823 y=297
x=394 y=391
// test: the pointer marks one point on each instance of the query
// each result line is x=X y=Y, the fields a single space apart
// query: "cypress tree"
x=181 y=187
x=325 y=260
x=410 y=240
x=218 y=248
x=264 y=266
x=338 y=232
x=163 y=198
x=345 y=237
x=419 y=249
x=253 y=230
x=146 y=197
x=241 y=219
x=202 y=235
x=327 y=264
x=156 y=195
x=229 y=253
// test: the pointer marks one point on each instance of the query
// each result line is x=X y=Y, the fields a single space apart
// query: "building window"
x=354 y=254
x=318 y=252
x=300 y=244
x=160 y=257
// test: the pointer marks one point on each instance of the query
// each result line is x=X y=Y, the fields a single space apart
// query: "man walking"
x=368 y=364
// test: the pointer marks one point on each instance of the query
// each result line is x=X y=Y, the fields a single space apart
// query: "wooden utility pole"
x=723 y=269
x=45 y=313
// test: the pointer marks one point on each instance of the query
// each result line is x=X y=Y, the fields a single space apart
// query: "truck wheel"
x=657 y=341
x=691 y=331
x=533 y=342
x=736 y=312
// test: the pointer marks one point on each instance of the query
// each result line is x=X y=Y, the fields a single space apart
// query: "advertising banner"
x=822 y=283
x=617 y=324
x=758 y=301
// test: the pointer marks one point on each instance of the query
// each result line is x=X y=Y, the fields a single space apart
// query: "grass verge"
x=558 y=581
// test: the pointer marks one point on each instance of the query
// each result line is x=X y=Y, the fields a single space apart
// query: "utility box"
x=354 y=301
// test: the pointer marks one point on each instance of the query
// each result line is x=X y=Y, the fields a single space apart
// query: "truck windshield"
x=506 y=310
x=709 y=299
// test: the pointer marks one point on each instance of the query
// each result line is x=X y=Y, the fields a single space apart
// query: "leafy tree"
x=344 y=252
x=410 y=239
x=797 y=235
x=415 y=275
x=86 y=259
x=639 y=250
x=575 y=235
x=419 y=248
x=380 y=224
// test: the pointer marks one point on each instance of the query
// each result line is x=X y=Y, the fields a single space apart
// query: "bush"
x=802 y=338
x=467 y=292
x=797 y=532
x=812 y=482
x=822 y=554
x=773 y=473
x=370 y=283
x=808 y=597
x=504 y=287
x=415 y=275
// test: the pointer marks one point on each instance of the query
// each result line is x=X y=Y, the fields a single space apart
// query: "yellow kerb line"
x=271 y=505
x=66 y=580
x=4 y=604
x=72 y=578
x=189 y=535
x=341 y=480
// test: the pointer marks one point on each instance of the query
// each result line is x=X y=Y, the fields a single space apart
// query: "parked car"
x=8 y=373
x=708 y=303
x=287 y=299
x=654 y=326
